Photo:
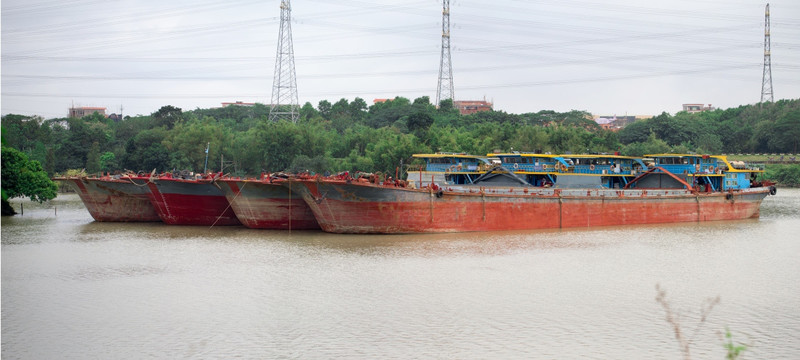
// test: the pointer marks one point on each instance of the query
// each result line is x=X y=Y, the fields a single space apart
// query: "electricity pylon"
x=445 y=89
x=766 y=80
x=285 y=103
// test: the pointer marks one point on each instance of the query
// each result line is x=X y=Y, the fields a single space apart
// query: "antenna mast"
x=285 y=103
x=766 y=82
x=445 y=90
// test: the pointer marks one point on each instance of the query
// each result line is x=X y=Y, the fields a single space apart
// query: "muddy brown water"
x=73 y=288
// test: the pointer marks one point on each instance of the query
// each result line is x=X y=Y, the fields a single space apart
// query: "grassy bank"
x=787 y=175
x=766 y=158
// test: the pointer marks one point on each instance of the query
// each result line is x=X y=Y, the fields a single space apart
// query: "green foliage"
x=308 y=112
x=303 y=163
x=419 y=122
x=351 y=135
x=733 y=350
x=146 y=152
x=639 y=131
x=785 y=175
x=6 y=209
x=167 y=116
x=188 y=141
x=653 y=145
x=24 y=177
x=93 y=158
x=108 y=162
x=786 y=132
x=767 y=127
x=324 y=108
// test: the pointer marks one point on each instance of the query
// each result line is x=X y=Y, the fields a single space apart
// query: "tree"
x=787 y=133
x=386 y=113
x=302 y=163
x=167 y=116
x=419 y=122
x=358 y=109
x=530 y=139
x=653 y=145
x=340 y=115
x=390 y=147
x=638 y=131
x=446 y=105
x=324 y=108
x=307 y=112
x=187 y=143
x=108 y=162
x=93 y=158
x=23 y=177
x=77 y=142
x=146 y=152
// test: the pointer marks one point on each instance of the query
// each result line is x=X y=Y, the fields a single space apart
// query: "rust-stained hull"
x=262 y=204
x=189 y=202
x=110 y=199
x=343 y=207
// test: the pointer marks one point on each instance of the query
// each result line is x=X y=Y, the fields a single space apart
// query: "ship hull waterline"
x=342 y=207
x=114 y=200
x=190 y=202
x=259 y=204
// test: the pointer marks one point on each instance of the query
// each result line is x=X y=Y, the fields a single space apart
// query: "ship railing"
x=756 y=166
x=526 y=167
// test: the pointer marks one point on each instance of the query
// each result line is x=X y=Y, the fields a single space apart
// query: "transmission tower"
x=445 y=90
x=766 y=82
x=285 y=103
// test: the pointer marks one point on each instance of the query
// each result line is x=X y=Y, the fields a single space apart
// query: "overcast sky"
x=602 y=56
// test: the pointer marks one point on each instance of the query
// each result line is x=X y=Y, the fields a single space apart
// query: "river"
x=73 y=288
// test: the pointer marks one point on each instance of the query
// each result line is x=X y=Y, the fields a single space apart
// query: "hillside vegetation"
x=350 y=135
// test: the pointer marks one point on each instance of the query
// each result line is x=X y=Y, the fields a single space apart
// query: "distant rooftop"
x=237 y=103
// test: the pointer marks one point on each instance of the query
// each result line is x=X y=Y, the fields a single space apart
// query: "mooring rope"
x=134 y=183
x=229 y=205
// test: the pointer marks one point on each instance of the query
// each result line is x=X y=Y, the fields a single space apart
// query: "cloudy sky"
x=603 y=56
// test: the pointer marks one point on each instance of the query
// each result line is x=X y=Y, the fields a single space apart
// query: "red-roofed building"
x=466 y=107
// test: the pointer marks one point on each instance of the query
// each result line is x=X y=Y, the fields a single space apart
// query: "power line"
x=648 y=74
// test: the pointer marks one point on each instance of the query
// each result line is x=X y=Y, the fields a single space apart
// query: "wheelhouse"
x=738 y=174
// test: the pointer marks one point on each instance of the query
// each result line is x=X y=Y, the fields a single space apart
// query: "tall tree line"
x=352 y=135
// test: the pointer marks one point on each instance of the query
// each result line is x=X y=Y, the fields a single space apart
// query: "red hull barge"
x=113 y=199
x=189 y=201
x=265 y=204
x=342 y=206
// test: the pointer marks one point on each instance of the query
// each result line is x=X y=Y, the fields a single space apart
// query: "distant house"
x=466 y=107
x=237 y=103
x=696 y=108
x=614 y=122
x=79 y=112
